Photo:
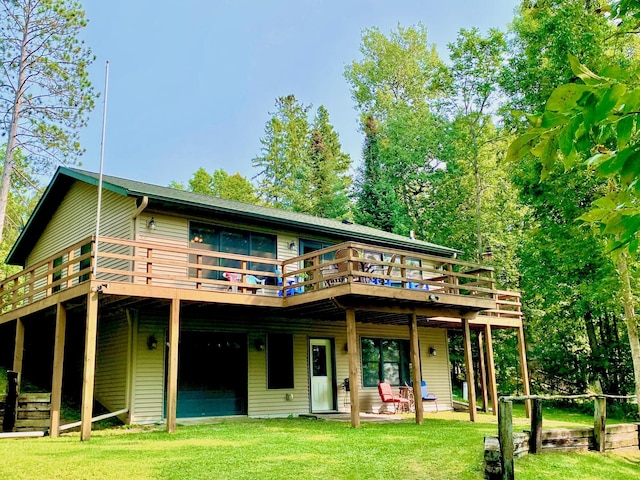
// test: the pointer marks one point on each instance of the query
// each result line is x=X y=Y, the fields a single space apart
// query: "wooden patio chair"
x=344 y=266
x=387 y=396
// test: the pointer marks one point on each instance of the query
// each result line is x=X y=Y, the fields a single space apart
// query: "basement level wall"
x=149 y=377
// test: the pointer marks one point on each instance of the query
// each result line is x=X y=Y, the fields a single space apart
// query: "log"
x=567 y=432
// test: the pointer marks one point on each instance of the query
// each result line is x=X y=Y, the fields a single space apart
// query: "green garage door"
x=212 y=374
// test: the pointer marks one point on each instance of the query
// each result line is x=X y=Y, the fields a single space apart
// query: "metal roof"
x=162 y=198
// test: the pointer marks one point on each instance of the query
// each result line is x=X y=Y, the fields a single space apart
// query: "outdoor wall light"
x=152 y=342
x=434 y=298
x=292 y=246
x=151 y=224
x=432 y=351
x=259 y=344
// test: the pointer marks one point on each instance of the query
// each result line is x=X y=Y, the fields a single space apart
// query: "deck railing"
x=195 y=267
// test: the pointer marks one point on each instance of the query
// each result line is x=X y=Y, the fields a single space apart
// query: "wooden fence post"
x=600 y=423
x=535 y=441
x=505 y=437
x=11 y=402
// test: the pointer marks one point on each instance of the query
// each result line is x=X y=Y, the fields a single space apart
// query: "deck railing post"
x=70 y=256
x=600 y=423
x=535 y=441
x=199 y=271
x=149 y=265
x=505 y=437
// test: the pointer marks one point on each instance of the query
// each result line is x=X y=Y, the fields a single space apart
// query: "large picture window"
x=227 y=240
x=385 y=360
x=279 y=360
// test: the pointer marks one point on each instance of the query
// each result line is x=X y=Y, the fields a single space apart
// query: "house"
x=185 y=305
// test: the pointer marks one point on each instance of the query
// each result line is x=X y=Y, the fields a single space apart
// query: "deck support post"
x=58 y=361
x=416 y=370
x=483 y=373
x=468 y=362
x=88 y=377
x=354 y=356
x=172 y=374
x=491 y=369
x=18 y=351
x=522 y=349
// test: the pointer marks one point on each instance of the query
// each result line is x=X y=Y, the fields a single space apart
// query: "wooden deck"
x=321 y=284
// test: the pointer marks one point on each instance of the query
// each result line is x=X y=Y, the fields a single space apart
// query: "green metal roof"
x=188 y=202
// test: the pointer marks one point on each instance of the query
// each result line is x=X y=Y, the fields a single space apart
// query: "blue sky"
x=192 y=83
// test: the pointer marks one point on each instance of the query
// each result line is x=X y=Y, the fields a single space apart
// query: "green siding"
x=170 y=232
x=149 y=387
x=111 y=362
x=75 y=219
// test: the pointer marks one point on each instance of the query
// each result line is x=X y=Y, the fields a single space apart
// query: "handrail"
x=163 y=264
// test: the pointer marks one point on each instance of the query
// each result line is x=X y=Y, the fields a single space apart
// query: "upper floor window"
x=228 y=240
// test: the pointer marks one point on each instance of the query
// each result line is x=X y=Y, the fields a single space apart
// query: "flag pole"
x=104 y=129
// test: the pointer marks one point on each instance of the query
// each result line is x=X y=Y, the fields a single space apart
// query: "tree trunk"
x=8 y=166
x=630 y=319
x=596 y=349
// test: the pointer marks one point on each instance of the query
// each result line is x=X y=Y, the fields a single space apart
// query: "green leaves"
x=584 y=123
x=581 y=71
x=566 y=97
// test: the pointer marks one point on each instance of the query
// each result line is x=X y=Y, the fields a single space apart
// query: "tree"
x=302 y=166
x=543 y=33
x=45 y=87
x=394 y=86
x=476 y=63
x=376 y=202
x=571 y=305
x=220 y=184
x=283 y=164
x=329 y=181
x=592 y=123
x=399 y=69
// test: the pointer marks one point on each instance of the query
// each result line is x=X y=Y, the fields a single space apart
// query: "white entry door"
x=321 y=371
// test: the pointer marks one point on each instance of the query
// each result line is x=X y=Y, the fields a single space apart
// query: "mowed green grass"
x=447 y=446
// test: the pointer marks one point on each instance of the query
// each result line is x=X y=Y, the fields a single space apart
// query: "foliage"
x=45 y=88
x=485 y=191
x=302 y=167
x=283 y=161
x=328 y=179
x=395 y=86
x=594 y=122
x=544 y=32
x=23 y=196
x=590 y=123
x=377 y=204
x=398 y=69
x=220 y=184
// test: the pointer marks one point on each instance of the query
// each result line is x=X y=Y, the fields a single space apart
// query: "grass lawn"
x=446 y=447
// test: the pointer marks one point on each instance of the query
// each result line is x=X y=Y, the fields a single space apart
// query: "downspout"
x=141 y=208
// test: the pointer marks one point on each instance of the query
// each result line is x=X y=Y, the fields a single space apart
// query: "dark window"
x=56 y=275
x=385 y=360
x=239 y=242
x=279 y=360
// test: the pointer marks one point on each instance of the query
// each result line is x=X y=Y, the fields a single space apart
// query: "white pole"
x=104 y=130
